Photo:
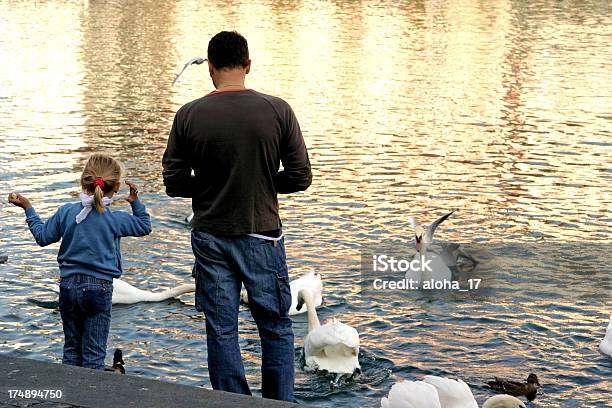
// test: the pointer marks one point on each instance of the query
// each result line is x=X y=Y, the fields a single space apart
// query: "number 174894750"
x=35 y=394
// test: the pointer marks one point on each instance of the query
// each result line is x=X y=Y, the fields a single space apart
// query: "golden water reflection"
x=500 y=109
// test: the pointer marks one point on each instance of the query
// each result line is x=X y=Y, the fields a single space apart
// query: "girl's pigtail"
x=98 y=196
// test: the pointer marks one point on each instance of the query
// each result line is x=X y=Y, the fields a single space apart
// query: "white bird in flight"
x=196 y=60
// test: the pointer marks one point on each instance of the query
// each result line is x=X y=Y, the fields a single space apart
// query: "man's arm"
x=177 y=171
x=296 y=174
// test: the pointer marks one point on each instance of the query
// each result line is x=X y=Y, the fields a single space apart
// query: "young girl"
x=89 y=256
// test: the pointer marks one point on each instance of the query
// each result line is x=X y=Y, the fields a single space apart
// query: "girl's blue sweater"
x=93 y=246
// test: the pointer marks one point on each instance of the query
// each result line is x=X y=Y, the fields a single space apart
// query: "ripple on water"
x=496 y=109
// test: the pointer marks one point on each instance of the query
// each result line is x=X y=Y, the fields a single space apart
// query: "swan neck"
x=313 y=319
x=168 y=293
x=423 y=250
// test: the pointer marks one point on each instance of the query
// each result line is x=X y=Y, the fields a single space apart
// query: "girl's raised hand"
x=19 y=200
x=133 y=192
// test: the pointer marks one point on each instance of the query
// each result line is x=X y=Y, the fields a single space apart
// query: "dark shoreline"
x=81 y=387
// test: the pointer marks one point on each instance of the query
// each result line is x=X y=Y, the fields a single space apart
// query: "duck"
x=606 y=343
x=333 y=347
x=528 y=389
x=437 y=269
x=441 y=392
x=126 y=294
x=310 y=280
x=118 y=363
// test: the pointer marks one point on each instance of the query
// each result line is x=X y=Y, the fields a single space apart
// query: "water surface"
x=499 y=109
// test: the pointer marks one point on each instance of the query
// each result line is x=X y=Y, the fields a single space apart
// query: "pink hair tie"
x=99 y=182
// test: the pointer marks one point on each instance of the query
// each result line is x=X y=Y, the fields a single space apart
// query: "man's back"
x=234 y=140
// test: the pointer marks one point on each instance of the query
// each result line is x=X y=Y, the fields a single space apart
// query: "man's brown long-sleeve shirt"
x=234 y=141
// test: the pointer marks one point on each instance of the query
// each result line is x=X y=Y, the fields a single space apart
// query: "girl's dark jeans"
x=85 y=305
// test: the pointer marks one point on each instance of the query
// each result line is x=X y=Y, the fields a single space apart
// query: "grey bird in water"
x=196 y=60
x=450 y=253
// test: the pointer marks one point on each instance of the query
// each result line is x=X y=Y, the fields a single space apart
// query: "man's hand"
x=133 y=192
x=19 y=201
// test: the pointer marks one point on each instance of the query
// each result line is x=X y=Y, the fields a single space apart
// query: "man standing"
x=234 y=140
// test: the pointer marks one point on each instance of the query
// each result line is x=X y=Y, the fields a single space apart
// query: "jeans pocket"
x=206 y=248
x=65 y=301
x=270 y=253
x=97 y=299
x=284 y=294
x=199 y=297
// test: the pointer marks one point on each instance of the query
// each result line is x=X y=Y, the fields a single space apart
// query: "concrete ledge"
x=82 y=387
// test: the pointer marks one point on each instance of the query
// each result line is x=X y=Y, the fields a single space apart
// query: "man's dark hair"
x=228 y=49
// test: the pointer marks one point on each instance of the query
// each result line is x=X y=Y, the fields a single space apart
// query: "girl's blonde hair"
x=100 y=175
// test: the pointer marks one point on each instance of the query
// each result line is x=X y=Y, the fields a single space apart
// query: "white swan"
x=310 y=280
x=452 y=393
x=433 y=266
x=503 y=401
x=126 y=294
x=606 y=344
x=333 y=346
x=439 y=392
x=411 y=394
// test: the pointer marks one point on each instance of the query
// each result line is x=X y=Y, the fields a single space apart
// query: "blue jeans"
x=221 y=265
x=85 y=305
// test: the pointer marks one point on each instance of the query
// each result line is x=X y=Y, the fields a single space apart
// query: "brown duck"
x=118 y=363
x=528 y=390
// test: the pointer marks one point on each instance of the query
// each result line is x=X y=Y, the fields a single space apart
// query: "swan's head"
x=533 y=379
x=304 y=296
